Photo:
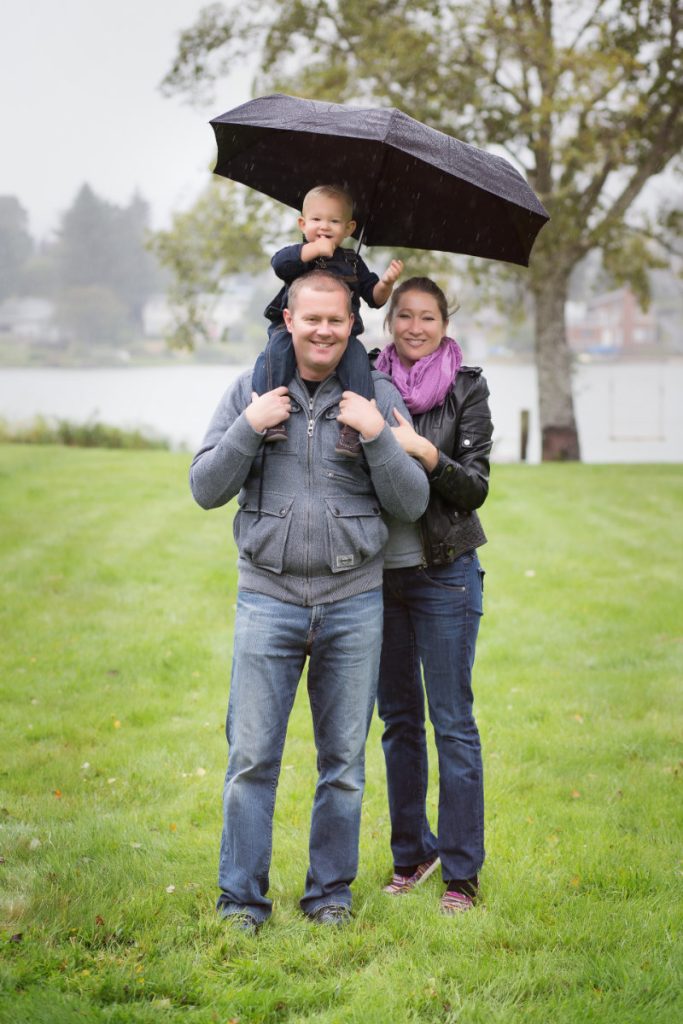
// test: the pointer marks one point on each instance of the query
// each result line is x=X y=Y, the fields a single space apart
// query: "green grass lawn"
x=116 y=617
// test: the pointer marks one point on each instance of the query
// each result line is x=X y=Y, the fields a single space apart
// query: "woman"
x=433 y=602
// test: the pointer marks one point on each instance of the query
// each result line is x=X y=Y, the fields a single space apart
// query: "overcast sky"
x=79 y=86
x=80 y=102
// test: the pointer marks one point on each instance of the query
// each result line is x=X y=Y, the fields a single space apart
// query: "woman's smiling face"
x=417 y=326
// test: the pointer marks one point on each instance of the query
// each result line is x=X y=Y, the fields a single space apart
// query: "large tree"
x=102 y=246
x=16 y=245
x=584 y=95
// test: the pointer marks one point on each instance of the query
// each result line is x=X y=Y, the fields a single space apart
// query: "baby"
x=326 y=220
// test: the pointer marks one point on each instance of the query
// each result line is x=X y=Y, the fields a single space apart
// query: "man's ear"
x=288 y=319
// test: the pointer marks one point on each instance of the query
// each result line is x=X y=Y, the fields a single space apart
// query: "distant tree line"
x=96 y=270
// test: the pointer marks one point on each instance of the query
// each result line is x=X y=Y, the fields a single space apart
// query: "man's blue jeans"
x=431 y=619
x=272 y=640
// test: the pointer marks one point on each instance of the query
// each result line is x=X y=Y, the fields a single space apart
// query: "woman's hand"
x=269 y=409
x=361 y=414
x=414 y=444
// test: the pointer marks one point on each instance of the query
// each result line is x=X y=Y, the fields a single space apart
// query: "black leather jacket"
x=461 y=429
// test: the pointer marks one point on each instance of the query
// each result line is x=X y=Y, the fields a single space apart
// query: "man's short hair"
x=331 y=192
x=319 y=281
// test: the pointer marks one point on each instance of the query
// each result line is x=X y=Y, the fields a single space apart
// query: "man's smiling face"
x=320 y=324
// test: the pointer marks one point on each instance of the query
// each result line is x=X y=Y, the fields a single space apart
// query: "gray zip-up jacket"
x=310 y=527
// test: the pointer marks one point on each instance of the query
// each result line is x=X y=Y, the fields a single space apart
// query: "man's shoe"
x=334 y=914
x=453 y=902
x=348 y=443
x=400 y=884
x=277 y=433
x=244 y=922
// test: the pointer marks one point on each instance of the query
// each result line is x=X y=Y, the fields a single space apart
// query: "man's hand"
x=361 y=414
x=269 y=409
x=392 y=273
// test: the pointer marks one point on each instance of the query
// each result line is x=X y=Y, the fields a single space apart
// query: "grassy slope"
x=116 y=618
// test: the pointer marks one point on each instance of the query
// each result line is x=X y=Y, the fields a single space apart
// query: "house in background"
x=29 y=319
x=612 y=323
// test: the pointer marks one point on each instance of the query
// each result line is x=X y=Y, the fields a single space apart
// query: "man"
x=310 y=534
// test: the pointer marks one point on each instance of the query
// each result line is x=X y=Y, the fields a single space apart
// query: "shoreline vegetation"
x=51 y=430
x=116 y=613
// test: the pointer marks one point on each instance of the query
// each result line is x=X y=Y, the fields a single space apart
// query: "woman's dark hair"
x=417 y=284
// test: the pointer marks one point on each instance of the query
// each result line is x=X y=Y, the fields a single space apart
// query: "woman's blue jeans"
x=272 y=640
x=431 y=620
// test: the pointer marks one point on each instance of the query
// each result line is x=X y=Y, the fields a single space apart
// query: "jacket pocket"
x=261 y=534
x=356 y=532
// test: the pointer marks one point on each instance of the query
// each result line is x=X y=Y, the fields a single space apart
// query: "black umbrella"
x=412 y=186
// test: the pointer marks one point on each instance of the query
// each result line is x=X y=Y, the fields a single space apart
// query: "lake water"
x=627 y=412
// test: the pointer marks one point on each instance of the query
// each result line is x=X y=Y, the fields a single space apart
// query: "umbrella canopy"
x=412 y=186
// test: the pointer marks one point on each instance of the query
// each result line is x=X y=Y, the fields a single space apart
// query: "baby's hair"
x=319 y=281
x=330 y=192
x=419 y=284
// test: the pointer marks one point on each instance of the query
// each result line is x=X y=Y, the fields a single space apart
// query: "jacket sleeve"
x=367 y=280
x=400 y=482
x=461 y=478
x=288 y=265
x=230 y=445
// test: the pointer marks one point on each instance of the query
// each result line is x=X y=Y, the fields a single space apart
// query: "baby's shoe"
x=348 y=443
x=276 y=433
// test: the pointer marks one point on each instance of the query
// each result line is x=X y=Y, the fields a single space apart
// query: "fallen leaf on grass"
x=99 y=921
x=575 y=794
x=578 y=718
x=136 y=846
x=34 y=844
x=170 y=888
x=116 y=723
x=112 y=780
x=57 y=793
x=173 y=827
x=200 y=771
x=576 y=881
x=17 y=937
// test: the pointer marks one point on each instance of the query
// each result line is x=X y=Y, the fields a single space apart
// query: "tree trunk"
x=559 y=436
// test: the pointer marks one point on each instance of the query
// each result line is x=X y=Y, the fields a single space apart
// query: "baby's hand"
x=325 y=247
x=393 y=272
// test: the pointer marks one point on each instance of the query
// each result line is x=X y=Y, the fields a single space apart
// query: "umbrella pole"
x=360 y=239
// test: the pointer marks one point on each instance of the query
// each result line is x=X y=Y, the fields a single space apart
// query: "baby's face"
x=326 y=217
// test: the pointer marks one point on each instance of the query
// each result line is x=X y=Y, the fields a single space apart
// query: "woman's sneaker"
x=400 y=884
x=453 y=902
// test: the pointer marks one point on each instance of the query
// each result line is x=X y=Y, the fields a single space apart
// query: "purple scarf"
x=428 y=381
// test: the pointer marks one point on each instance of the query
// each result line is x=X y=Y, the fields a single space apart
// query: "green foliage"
x=223 y=233
x=116 y=598
x=91 y=434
